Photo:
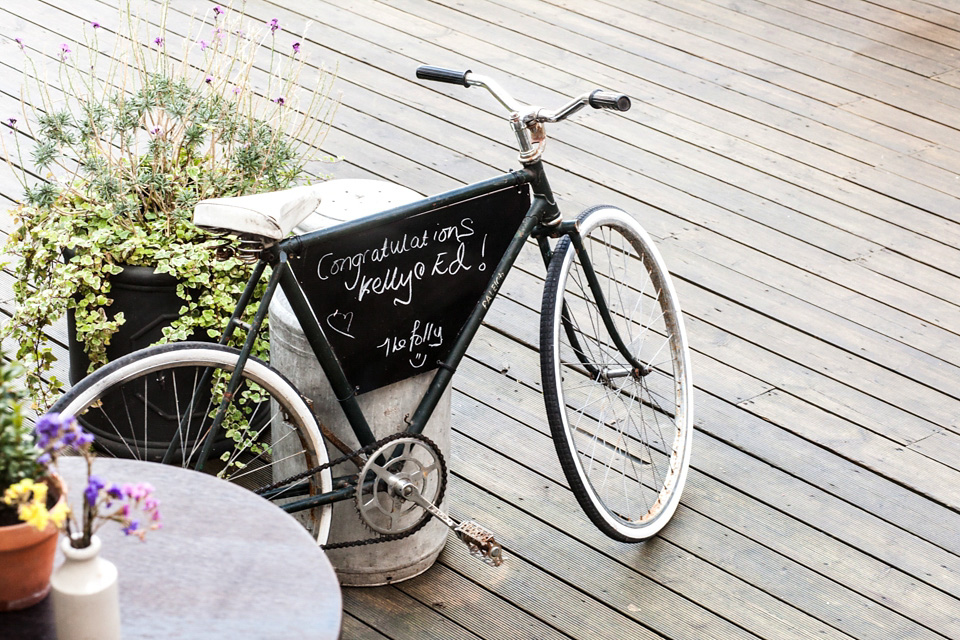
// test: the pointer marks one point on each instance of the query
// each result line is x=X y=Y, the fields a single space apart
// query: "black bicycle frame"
x=541 y=221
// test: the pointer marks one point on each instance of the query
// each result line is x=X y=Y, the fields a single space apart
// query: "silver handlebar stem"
x=519 y=112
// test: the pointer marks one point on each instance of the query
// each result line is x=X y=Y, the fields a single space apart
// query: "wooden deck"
x=798 y=162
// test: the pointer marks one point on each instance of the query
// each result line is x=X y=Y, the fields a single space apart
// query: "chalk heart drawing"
x=340 y=322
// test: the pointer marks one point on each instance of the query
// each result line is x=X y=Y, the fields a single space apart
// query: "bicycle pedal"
x=480 y=542
x=478 y=539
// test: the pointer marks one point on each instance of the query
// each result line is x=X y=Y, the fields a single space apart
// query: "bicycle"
x=615 y=367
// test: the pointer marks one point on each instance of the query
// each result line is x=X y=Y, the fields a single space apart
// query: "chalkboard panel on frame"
x=391 y=299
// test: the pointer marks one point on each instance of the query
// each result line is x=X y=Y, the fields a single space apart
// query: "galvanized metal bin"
x=385 y=408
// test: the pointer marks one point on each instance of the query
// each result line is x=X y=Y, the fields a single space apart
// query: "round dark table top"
x=226 y=564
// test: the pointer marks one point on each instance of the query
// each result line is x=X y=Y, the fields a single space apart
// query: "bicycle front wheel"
x=617 y=386
x=159 y=403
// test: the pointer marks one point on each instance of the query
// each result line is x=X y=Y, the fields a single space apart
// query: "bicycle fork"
x=636 y=368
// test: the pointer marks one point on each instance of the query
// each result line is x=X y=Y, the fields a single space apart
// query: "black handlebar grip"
x=600 y=99
x=439 y=74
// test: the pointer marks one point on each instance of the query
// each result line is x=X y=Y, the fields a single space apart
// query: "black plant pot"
x=149 y=302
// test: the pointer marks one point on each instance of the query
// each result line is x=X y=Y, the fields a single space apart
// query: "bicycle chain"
x=366 y=451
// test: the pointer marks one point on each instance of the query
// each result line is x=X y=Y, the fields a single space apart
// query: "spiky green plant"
x=126 y=142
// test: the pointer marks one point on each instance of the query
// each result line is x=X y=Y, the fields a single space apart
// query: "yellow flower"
x=59 y=514
x=31 y=500
x=21 y=491
x=40 y=492
x=35 y=514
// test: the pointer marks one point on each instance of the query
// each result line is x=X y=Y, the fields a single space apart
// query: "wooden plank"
x=896 y=87
x=822 y=40
x=398 y=616
x=355 y=629
x=780 y=448
x=916 y=125
x=561 y=604
x=872 y=29
x=480 y=604
x=907 y=430
x=942 y=446
x=630 y=593
x=697 y=534
x=910 y=16
x=829 y=137
x=626 y=28
x=934 y=281
x=927 y=477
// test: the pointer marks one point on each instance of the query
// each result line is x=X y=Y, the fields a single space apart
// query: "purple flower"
x=158 y=41
x=236 y=90
x=95 y=24
x=274 y=25
x=75 y=436
x=45 y=459
x=19 y=42
x=94 y=485
x=49 y=429
x=131 y=528
x=12 y=121
x=209 y=79
x=55 y=431
x=217 y=11
x=46 y=431
x=64 y=51
x=154 y=131
x=296 y=47
x=203 y=45
x=279 y=101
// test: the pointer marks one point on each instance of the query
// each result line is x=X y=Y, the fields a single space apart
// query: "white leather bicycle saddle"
x=275 y=214
x=271 y=215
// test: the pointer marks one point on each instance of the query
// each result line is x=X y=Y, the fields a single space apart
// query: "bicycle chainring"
x=409 y=458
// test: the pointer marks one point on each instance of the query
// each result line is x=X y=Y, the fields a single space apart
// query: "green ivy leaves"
x=128 y=159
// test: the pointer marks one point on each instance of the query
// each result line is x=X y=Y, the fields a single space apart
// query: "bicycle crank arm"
x=478 y=539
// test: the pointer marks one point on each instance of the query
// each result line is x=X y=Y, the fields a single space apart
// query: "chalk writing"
x=401 y=292
x=412 y=344
x=340 y=322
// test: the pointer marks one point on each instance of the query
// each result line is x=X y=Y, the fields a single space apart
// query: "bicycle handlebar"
x=598 y=99
x=439 y=74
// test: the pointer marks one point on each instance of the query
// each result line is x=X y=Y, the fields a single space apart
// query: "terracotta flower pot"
x=26 y=561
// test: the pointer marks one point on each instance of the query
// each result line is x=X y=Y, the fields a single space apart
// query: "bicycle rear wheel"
x=153 y=405
x=621 y=415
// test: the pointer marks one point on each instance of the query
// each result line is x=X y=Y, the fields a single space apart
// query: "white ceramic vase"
x=86 y=604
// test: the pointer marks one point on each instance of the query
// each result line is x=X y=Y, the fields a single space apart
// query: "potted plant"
x=130 y=136
x=85 y=598
x=28 y=525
